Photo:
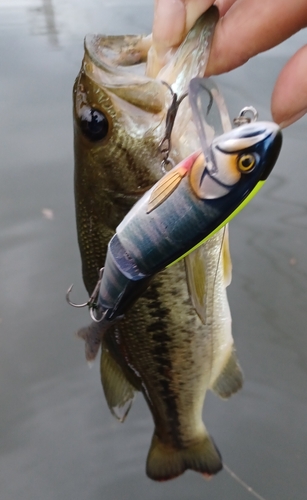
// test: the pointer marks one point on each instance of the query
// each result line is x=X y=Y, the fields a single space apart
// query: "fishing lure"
x=188 y=204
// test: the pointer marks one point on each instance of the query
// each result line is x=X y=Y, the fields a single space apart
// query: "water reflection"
x=43 y=21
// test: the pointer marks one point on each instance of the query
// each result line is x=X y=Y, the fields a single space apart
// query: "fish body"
x=175 y=342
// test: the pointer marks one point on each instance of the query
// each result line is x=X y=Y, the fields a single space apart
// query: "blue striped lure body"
x=187 y=206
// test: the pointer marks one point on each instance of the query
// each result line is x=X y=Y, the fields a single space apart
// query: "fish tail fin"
x=165 y=462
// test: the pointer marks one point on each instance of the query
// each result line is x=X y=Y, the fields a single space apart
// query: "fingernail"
x=292 y=119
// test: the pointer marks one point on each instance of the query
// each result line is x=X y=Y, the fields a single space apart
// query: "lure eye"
x=246 y=163
x=94 y=124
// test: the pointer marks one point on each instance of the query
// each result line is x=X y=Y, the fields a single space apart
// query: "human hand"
x=245 y=28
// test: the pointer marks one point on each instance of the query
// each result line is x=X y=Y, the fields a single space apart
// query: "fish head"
x=120 y=111
x=240 y=159
x=118 y=119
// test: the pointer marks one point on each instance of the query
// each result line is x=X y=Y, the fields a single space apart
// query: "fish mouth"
x=118 y=55
x=119 y=64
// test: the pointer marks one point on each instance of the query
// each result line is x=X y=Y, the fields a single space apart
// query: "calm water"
x=58 y=439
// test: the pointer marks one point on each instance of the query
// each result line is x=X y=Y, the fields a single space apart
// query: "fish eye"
x=246 y=163
x=94 y=124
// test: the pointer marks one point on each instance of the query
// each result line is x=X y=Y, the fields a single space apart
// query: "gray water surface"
x=58 y=439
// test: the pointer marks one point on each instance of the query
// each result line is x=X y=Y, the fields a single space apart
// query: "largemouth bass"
x=175 y=342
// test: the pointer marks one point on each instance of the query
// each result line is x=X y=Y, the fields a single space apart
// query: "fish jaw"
x=190 y=58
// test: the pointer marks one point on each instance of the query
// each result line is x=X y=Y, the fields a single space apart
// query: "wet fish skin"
x=162 y=347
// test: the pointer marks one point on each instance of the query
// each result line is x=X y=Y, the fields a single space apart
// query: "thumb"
x=289 y=98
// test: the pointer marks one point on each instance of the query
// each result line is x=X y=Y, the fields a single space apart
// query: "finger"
x=172 y=21
x=168 y=24
x=252 y=26
x=224 y=6
x=167 y=31
x=194 y=9
x=289 y=99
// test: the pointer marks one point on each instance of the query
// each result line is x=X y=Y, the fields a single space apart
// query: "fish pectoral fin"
x=226 y=257
x=92 y=336
x=119 y=393
x=195 y=265
x=164 y=188
x=230 y=380
x=165 y=462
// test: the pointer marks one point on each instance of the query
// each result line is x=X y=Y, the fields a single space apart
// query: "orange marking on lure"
x=167 y=185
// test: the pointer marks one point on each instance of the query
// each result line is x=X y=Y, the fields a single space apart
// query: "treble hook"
x=91 y=303
x=73 y=304
x=165 y=144
x=94 y=317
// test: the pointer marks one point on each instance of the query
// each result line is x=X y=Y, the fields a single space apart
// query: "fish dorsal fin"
x=119 y=393
x=227 y=264
x=165 y=187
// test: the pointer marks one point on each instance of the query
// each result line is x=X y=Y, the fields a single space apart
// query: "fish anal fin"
x=119 y=393
x=230 y=380
x=165 y=462
x=165 y=187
